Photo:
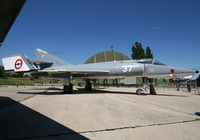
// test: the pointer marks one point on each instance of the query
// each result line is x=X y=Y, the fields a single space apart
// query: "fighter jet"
x=51 y=66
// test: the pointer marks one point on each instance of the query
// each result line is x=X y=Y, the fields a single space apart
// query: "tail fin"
x=18 y=63
x=45 y=57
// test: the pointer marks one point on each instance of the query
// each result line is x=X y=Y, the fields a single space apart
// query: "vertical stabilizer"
x=43 y=56
x=18 y=63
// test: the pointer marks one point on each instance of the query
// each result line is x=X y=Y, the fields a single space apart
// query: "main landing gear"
x=88 y=85
x=68 y=87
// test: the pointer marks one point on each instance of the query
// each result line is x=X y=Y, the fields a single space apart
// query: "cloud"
x=155 y=28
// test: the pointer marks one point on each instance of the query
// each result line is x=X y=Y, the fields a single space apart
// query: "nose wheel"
x=140 y=91
x=144 y=88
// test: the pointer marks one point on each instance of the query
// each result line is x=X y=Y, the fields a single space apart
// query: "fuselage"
x=127 y=68
x=51 y=66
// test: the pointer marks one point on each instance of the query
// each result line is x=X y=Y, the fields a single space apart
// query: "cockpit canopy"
x=149 y=61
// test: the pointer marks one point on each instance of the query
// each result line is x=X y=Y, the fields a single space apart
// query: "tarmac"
x=44 y=113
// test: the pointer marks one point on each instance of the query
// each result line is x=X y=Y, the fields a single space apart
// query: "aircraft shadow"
x=82 y=91
x=44 y=88
x=76 y=91
x=168 y=95
x=197 y=113
x=18 y=121
x=95 y=91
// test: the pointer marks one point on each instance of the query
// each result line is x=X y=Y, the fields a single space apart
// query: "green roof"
x=107 y=56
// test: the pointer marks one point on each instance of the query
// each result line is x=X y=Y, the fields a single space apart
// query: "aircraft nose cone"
x=197 y=71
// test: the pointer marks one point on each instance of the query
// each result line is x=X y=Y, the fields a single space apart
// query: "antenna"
x=111 y=47
x=54 y=52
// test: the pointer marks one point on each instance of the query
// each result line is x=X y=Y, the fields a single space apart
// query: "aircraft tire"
x=68 y=89
x=139 y=91
x=88 y=86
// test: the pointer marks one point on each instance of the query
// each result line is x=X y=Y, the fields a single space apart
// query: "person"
x=198 y=84
x=189 y=86
x=177 y=84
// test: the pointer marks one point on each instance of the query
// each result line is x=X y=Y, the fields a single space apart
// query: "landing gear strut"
x=88 y=86
x=68 y=87
x=144 y=87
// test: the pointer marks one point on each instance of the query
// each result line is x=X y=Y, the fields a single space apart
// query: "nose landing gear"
x=144 y=88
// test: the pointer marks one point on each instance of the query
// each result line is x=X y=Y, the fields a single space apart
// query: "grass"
x=19 y=81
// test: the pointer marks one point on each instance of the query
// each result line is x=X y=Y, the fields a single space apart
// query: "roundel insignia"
x=18 y=64
x=152 y=70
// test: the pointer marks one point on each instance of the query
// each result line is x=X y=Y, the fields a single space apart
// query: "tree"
x=1 y=71
x=139 y=53
x=149 y=54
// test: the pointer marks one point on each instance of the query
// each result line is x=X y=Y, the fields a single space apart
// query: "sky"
x=78 y=29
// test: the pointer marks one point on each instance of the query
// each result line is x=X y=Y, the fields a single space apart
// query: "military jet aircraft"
x=51 y=66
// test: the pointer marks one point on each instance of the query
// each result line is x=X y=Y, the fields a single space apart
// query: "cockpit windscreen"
x=149 y=61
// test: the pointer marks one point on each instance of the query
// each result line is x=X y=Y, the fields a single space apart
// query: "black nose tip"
x=197 y=71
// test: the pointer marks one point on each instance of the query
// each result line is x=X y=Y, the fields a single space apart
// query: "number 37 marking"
x=127 y=68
